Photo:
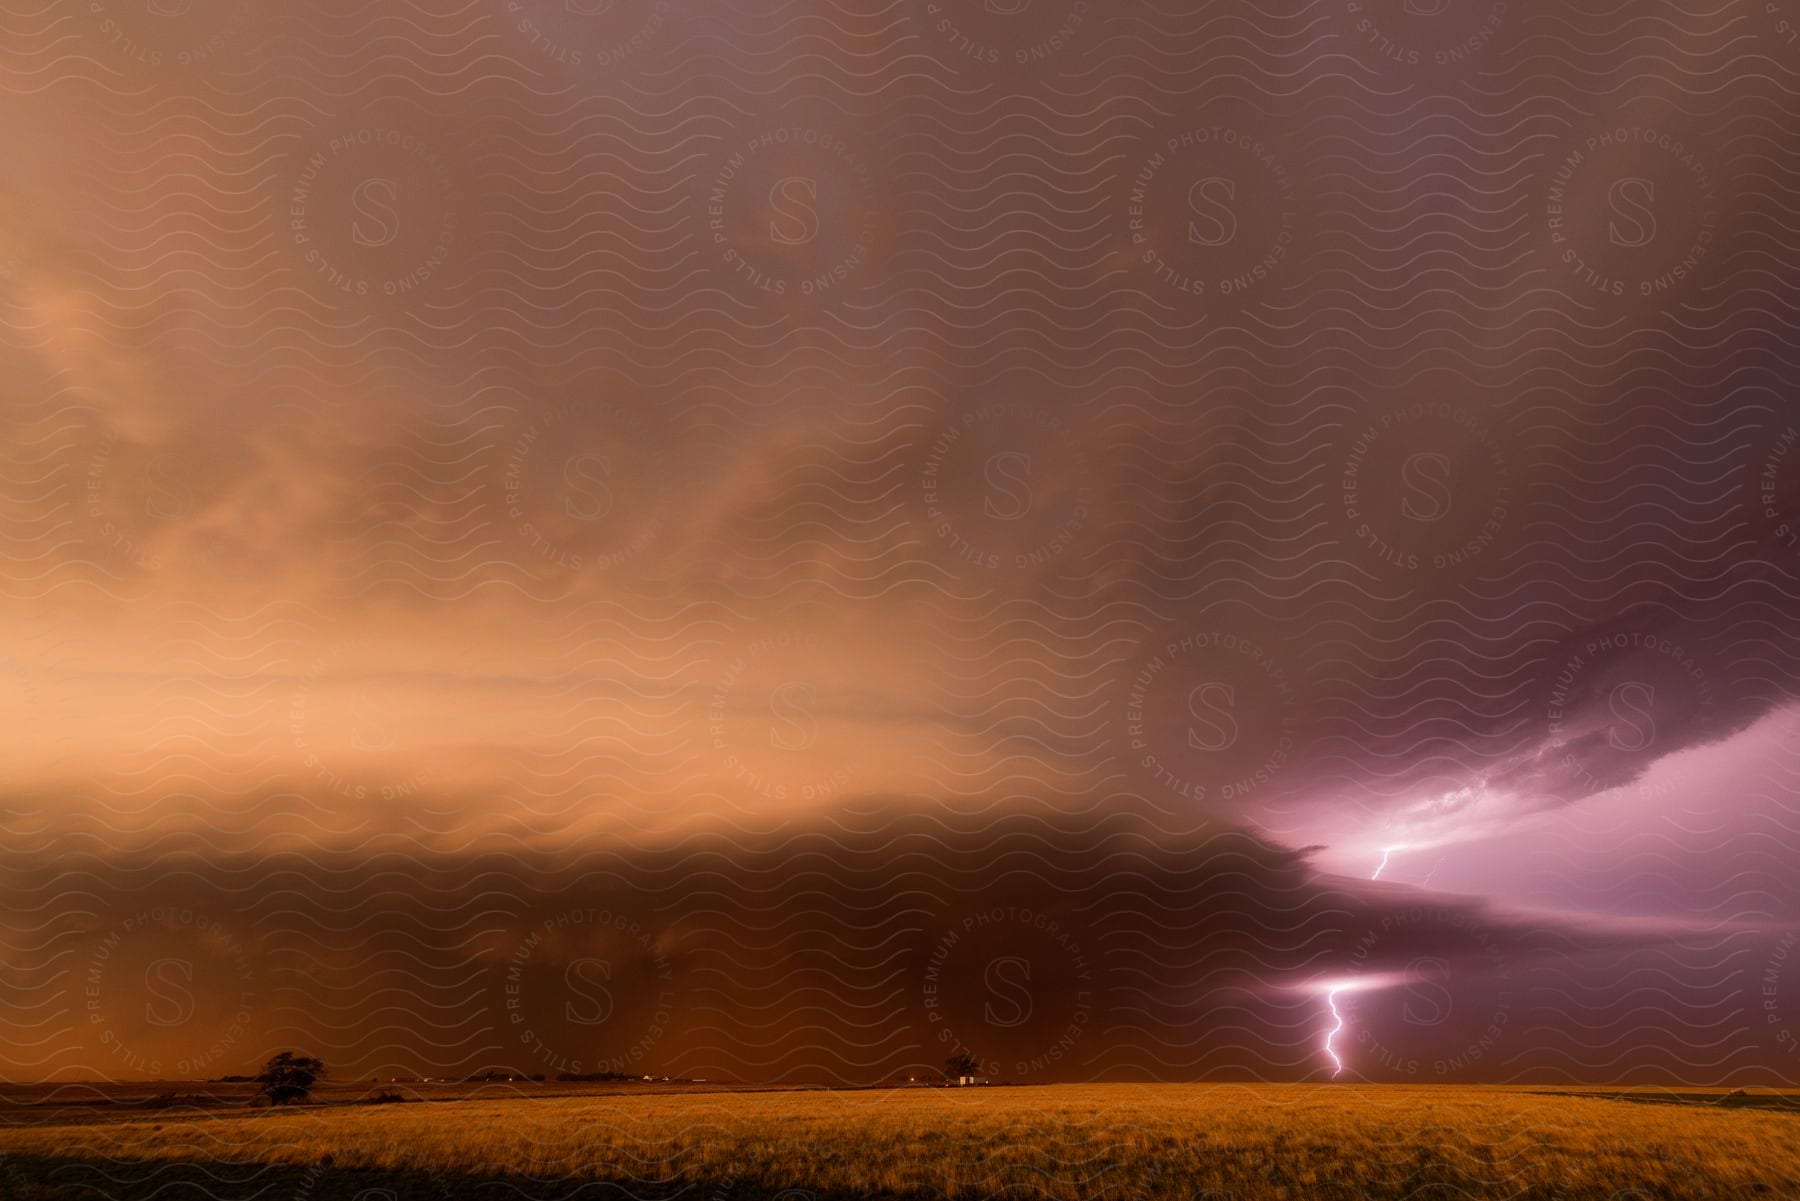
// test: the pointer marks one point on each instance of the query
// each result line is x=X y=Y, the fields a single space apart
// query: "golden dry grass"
x=1298 y=1143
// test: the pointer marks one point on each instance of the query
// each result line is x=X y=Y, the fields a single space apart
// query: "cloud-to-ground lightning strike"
x=1331 y=995
x=1331 y=1002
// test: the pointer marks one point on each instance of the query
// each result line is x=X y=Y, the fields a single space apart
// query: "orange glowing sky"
x=792 y=484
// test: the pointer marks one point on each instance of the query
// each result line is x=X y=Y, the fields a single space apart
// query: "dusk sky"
x=786 y=541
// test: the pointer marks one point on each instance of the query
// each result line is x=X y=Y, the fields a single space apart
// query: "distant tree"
x=289 y=1078
x=962 y=1064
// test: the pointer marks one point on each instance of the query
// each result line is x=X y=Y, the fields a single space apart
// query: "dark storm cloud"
x=460 y=453
x=873 y=946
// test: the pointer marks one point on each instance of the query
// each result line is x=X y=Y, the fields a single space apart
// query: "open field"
x=31 y=1104
x=1237 y=1142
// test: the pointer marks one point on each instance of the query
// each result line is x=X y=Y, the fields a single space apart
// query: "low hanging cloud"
x=1103 y=945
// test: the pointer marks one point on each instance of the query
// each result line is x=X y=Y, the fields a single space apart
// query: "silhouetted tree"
x=289 y=1078
x=962 y=1064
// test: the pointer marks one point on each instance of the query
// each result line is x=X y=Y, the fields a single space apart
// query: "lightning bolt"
x=1331 y=996
x=1331 y=1001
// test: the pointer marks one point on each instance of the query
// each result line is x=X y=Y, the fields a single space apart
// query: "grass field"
x=1215 y=1142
